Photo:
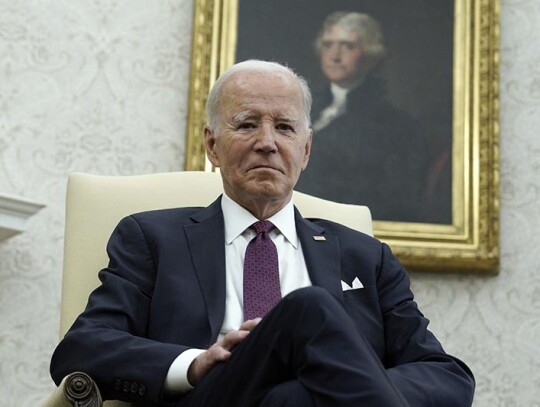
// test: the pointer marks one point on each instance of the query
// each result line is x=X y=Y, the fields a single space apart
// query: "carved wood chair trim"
x=82 y=391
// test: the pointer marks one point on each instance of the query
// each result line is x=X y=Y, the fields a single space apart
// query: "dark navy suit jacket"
x=164 y=292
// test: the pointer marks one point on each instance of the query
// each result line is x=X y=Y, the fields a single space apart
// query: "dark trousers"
x=305 y=352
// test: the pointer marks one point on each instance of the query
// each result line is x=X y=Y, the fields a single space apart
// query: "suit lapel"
x=206 y=239
x=322 y=255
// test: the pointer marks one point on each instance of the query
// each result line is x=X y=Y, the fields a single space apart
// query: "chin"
x=266 y=190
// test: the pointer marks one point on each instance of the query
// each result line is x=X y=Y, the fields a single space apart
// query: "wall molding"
x=14 y=213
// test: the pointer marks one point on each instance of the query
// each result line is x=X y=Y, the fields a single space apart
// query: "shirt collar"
x=237 y=219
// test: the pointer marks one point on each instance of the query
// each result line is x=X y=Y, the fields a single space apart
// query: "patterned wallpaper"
x=101 y=86
x=96 y=86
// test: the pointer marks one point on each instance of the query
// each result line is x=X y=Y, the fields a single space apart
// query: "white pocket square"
x=355 y=285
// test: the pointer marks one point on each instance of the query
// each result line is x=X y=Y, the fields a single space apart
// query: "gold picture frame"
x=471 y=241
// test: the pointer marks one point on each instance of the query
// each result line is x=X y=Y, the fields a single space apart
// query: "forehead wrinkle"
x=238 y=96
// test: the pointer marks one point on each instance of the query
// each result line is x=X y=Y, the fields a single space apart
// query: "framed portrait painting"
x=404 y=115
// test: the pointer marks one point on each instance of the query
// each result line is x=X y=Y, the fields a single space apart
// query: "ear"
x=307 y=150
x=210 y=145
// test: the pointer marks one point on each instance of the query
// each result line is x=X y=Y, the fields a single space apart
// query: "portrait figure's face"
x=261 y=142
x=342 y=56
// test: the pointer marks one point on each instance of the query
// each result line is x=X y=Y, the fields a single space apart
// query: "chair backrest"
x=95 y=204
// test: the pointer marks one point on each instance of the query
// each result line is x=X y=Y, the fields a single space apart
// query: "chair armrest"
x=76 y=390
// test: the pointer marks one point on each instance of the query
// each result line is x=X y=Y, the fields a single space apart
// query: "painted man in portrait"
x=367 y=151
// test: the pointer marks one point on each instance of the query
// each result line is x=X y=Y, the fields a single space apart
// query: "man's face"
x=342 y=56
x=261 y=143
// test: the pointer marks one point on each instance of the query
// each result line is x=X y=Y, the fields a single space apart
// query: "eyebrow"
x=243 y=116
x=288 y=119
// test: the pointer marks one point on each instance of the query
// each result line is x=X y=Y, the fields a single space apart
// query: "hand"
x=218 y=352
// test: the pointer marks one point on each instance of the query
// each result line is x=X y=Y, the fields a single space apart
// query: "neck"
x=263 y=210
x=259 y=207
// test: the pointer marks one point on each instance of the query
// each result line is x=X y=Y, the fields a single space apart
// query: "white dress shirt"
x=293 y=273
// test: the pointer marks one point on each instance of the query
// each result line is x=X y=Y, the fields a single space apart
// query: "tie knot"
x=262 y=226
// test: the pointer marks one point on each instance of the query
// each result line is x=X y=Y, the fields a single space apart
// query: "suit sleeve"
x=107 y=340
x=417 y=364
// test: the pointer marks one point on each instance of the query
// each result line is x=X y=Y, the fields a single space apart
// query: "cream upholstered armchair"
x=95 y=204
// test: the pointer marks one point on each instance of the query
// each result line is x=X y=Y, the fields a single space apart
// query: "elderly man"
x=241 y=303
x=367 y=150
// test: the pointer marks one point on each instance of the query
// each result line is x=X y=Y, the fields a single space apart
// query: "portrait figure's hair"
x=254 y=65
x=368 y=30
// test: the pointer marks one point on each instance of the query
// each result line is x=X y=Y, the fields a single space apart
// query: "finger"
x=232 y=339
x=216 y=354
x=203 y=363
x=207 y=360
x=250 y=324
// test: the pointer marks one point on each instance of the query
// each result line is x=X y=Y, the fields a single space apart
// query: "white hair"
x=254 y=65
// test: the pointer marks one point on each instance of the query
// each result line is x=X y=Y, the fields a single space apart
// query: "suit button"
x=134 y=388
x=125 y=386
x=142 y=390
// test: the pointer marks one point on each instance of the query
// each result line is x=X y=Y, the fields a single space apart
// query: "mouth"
x=265 y=168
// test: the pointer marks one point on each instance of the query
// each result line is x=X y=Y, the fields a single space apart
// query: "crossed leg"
x=307 y=345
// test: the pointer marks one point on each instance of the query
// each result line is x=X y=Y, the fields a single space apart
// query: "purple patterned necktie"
x=261 y=273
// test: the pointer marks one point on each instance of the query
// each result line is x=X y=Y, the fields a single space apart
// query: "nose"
x=266 y=139
x=335 y=52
